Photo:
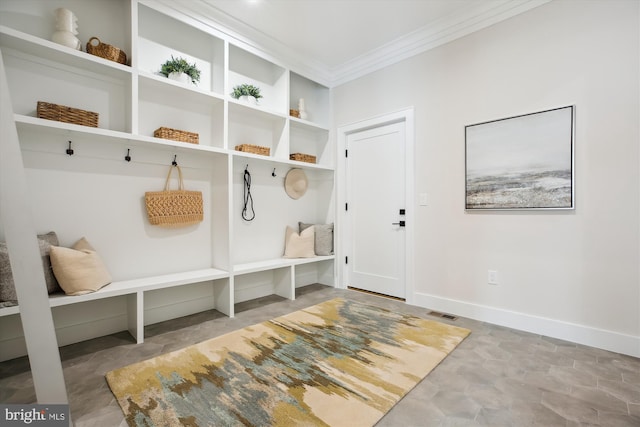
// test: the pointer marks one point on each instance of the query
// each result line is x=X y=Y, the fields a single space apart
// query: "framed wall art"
x=521 y=162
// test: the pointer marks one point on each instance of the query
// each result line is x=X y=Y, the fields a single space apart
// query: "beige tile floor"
x=496 y=377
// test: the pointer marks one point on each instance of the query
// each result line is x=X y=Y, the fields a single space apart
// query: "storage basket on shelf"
x=255 y=149
x=62 y=113
x=301 y=157
x=106 y=51
x=176 y=135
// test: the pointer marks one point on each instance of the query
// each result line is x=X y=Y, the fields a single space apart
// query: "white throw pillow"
x=299 y=245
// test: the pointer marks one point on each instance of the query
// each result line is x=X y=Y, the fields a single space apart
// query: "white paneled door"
x=375 y=247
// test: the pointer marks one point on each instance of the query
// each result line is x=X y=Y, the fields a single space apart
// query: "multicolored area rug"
x=336 y=363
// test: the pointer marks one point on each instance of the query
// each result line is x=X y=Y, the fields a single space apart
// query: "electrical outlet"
x=493 y=277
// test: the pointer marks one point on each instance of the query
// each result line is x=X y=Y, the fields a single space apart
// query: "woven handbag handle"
x=181 y=184
x=91 y=40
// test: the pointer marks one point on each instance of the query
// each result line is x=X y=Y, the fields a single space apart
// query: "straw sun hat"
x=295 y=183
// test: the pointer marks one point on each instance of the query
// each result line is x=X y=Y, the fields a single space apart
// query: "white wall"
x=572 y=275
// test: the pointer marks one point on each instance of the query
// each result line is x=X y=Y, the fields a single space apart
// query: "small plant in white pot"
x=179 y=69
x=247 y=93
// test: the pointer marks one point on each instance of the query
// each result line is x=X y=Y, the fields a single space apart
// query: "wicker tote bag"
x=174 y=208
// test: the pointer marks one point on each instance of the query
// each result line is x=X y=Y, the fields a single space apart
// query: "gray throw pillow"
x=7 y=288
x=323 y=239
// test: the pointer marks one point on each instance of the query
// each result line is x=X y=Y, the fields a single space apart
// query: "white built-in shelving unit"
x=161 y=273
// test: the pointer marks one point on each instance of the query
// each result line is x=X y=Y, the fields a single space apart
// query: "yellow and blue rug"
x=336 y=363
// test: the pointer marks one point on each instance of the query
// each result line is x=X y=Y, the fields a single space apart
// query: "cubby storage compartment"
x=173 y=302
x=277 y=281
x=109 y=20
x=322 y=271
x=263 y=238
x=34 y=79
x=166 y=104
x=310 y=139
x=316 y=99
x=272 y=79
x=160 y=37
x=250 y=126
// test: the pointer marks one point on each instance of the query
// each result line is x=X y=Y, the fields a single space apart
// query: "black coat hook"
x=175 y=160
x=70 y=150
x=274 y=172
x=127 y=157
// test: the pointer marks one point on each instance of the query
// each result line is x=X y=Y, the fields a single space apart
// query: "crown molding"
x=458 y=25
x=471 y=19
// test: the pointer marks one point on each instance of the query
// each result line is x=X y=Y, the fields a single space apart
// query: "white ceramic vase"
x=302 y=109
x=66 y=29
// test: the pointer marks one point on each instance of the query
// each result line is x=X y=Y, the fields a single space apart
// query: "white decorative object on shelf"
x=180 y=77
x=249 y=99
x=67 y=29
x=302 y=110
x=179 y=69
x=247 y=93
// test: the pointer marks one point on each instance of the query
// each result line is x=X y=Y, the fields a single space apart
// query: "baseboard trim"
x=579 y=334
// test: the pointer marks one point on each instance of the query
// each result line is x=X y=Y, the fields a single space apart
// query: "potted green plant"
x=179 y=69
x=246 y=92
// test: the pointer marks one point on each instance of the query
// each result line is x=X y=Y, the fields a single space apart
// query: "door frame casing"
x=342 y=230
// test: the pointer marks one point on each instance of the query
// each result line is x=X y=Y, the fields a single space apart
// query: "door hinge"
x=346 y=206
x=346 y=260
x=346 y=153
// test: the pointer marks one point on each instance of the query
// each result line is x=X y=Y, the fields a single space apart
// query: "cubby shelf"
x=132 y=101
x=45 y=49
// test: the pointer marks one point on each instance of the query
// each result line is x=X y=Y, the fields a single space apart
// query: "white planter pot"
x=180 y=77
x=249 y=99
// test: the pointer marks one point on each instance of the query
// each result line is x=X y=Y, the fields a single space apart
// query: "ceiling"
x=338 y=40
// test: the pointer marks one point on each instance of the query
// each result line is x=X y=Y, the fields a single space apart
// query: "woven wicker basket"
x=176 y=135
x=106 y=51
x=174 y=208
x=255 y=149
x=62 y=113
x=301 y=157
x=294 y=113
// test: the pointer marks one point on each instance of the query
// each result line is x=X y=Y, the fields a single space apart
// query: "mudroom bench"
x=134 y=291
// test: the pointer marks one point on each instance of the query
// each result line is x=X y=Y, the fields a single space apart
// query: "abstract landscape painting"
x=522 y=162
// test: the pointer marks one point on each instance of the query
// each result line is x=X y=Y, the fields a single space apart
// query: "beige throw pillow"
x=80 y=269
x=299 y=245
